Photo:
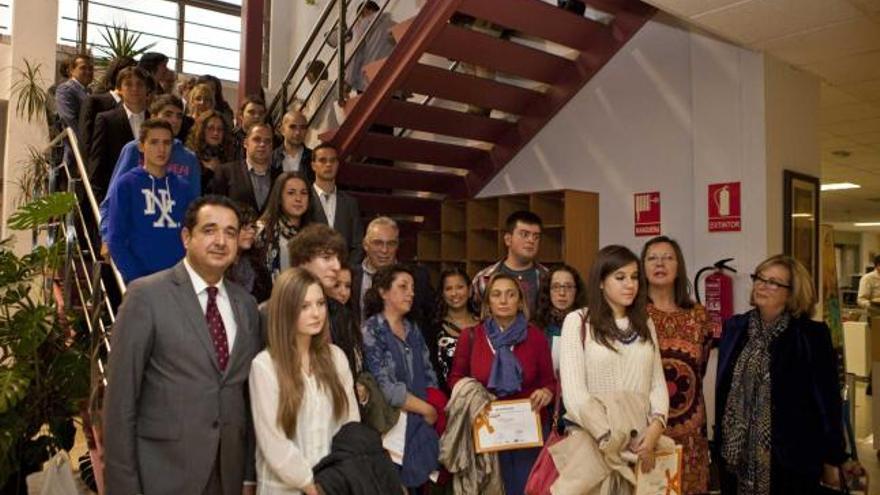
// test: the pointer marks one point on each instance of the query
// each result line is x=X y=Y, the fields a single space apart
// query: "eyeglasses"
x=380 y=244
x=300 y=127
x=654 y=259
x=770 y=284
x=525 y=234
x=562 y=287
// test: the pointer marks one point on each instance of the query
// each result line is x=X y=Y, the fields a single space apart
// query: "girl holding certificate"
x=609 y=347
x=301 y=388
x=396 y=355
x=511 y=358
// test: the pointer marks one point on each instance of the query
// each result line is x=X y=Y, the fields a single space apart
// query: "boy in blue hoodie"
x=145 y=208
x=183 y=161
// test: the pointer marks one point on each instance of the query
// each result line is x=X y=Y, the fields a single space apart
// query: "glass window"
x=6 y=17
x=210 y=43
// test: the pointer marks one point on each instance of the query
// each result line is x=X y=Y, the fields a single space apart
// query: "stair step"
x=408 y=115
x=372 y=204
x=539 y=19
x=467 y=45
x=421 y=151
x=473 y=90
x=378 y=176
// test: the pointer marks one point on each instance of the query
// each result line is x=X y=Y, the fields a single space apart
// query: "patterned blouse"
x=685 y=338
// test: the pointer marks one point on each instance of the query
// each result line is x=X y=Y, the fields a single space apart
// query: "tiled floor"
x=867 y=456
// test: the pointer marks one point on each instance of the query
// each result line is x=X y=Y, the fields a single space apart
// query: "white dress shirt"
x=135 y=120
x=291 y=162
x=328 y=201
x=223 y=302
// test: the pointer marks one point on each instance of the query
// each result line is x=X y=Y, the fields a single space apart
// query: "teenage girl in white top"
x=619 y=352
x=301 y=388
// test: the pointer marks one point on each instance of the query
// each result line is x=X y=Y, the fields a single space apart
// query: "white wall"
x=675 y=111
x=38 y=47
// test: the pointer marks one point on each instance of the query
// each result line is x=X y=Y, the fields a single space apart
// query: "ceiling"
x=839 y=41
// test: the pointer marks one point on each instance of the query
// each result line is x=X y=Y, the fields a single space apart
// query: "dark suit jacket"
x=231 y=180
x=112 y=132
x=347 y=222
x=424 y=300
x=305 y=162
x=168 y=407
x=806 y=428
x=91 y=107
x=69 y=98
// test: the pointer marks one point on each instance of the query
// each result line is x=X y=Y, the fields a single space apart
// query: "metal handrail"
x=91 y=292
x=284 y=96
x=302 y=55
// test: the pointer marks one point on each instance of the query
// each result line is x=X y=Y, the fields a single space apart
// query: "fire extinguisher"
x=719 y=293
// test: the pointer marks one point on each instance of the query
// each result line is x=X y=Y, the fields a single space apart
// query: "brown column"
x=251 y=51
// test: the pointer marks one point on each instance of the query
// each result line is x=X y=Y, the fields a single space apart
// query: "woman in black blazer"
x=778 y=406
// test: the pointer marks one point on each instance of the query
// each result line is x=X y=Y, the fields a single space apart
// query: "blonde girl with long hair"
x=301 y=387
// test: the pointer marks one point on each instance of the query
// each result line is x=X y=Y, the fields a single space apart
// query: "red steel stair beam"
x=383 y=204
x=535 y=18
x=424 y=28
x=467 y=45
x=421 y=151
x=378 y=176
x=587 y=64
x=437 y=120
x=484 y=93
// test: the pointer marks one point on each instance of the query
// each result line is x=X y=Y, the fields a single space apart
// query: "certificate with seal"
x=507 y=425
x=665 y=478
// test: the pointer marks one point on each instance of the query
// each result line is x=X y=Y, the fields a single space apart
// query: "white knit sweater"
x=593 y=368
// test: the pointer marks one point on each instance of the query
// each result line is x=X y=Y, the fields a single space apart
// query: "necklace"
x=627 y=336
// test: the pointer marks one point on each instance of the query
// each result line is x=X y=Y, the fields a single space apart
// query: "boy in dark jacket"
x=146 y=208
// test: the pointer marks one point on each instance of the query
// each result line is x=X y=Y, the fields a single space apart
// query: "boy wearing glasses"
x=333 y=207
x=522 y=236
x=293 y=155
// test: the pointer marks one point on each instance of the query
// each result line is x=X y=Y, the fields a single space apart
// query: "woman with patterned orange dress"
x=684 y=332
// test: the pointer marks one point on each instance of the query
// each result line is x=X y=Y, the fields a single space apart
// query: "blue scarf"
x=506 y=376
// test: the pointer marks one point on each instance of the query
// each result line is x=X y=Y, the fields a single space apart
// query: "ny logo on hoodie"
x=165 y=204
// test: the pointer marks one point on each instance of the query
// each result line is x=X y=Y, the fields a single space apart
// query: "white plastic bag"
x=58 y=476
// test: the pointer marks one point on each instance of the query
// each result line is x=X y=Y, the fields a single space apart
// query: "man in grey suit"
x=333 y=207
x=176 y=415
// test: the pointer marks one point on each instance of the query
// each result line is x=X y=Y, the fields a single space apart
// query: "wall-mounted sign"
x=724 y=207
x=647 y=213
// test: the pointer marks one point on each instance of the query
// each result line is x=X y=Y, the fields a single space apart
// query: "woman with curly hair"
x=211 y=141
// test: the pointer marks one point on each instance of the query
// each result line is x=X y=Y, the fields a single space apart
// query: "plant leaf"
x=13 y=387
x=42 y=210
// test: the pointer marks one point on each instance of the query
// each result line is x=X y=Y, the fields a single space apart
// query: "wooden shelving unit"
x=471 y=231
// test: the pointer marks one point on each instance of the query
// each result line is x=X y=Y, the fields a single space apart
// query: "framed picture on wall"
x=800 y=220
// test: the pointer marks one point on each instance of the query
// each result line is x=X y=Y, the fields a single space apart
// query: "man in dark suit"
x=70 y=95
x=176 y=413
x=116 y=128
x=293 y=155
x=333 y=207
x=380 y=244
x=250 y=179
x=103 y=99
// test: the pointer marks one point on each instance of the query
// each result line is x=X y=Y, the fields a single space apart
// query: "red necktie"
x=218 y=331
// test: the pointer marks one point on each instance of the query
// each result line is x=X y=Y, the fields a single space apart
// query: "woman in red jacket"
x=511 y=358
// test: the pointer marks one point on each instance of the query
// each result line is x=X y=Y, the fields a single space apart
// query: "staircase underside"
x=481 y=78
